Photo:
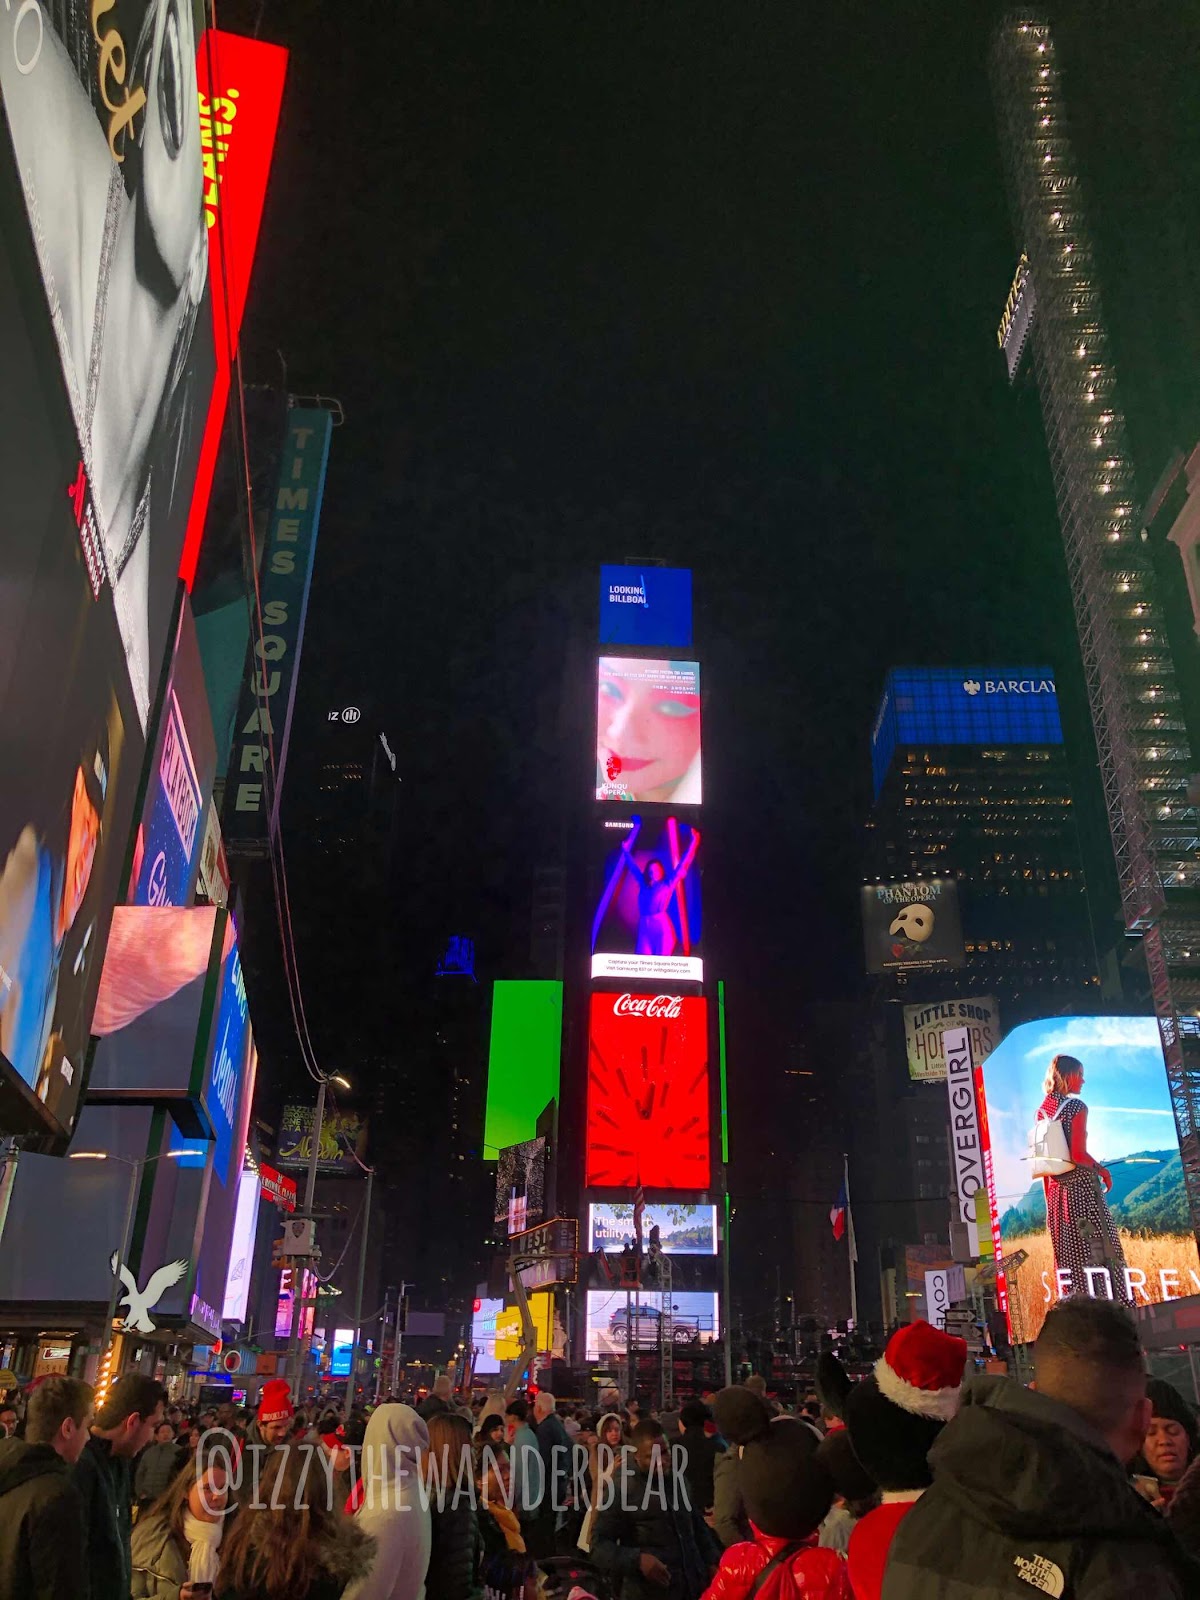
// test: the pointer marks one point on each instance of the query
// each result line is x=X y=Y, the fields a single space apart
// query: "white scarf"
x=204 y=1540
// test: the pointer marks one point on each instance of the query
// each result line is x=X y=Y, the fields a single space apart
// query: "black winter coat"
x=655 y=1516
x=454 y=1554
x=41 y=1525
x=702 y=1453
x=105 y=1485
x=1025 y=1492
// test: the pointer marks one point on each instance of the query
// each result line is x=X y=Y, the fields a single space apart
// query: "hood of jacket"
x=20 y=1462
x=349 y=1552
x=393 y=1451
x=1031 y=1468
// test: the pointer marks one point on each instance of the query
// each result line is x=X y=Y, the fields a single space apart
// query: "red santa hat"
x=275 y=1402
x=921 y=1371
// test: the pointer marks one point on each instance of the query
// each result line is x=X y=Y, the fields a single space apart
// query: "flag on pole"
x=837 y=1214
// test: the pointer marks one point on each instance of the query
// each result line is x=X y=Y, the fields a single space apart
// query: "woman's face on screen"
x=653 y=732
x=172 y=177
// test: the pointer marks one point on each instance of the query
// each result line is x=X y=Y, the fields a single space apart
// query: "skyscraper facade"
x=1145 y=760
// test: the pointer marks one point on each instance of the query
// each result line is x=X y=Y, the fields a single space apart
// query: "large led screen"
x=241 y=1249
x=648 y=1092
x=159 y=969
x=103 y=112
x=646 y=606
x=618 y=1318
x=483 y=1337
x=647 y=924
x=524 y=1054
x=1131 y=1242
x=683 y=1230
x=648 y=731
x=912 y=926
x=521 y=1186
x=963 y=705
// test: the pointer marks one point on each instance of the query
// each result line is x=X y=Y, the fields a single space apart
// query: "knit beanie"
x=275 y=1402
x=786 y=1489
x=740 y=1414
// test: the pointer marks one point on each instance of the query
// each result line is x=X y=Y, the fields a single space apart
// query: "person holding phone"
x=177 y=1540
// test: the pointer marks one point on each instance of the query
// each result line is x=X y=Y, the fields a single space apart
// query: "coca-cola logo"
x=648 y=1005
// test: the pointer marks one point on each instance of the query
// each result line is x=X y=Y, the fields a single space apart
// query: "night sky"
x=717 y=284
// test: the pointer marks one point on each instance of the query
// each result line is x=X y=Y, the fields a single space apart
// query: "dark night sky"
x=715 y=283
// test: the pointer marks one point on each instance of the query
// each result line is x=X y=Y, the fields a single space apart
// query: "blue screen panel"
x=964 y=705
x=646 y=606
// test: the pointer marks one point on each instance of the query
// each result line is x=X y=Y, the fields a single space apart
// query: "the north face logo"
x=1040 y=1573
x=971 y=686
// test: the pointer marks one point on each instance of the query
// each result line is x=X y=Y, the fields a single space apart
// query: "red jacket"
x=812 y=1573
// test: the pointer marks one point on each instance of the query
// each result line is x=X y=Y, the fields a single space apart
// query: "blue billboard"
x=171 y=833
x=964 y=705
x=646 y=606
x=258 y=754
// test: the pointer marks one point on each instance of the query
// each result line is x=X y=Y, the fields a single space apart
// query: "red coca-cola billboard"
x=648 y=1092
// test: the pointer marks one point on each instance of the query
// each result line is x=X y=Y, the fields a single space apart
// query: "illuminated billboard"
x=342 y=1137
x=648 y=731
x=524 y=1055
x=648 y=1092
x=521 y=1186
x=340 y=1351
x=161 y=966
x=925 y=1024
x=683 y=1230
x=617 y=1319
x=1132 y=1242
x=912 y=926
x=239 y=86
x=964 y=705
x=647 y=925
x=103 y=112
x=483 y=1337
x=258 y=755
x=170 y=837
x=646 y=606
x=241 y=1248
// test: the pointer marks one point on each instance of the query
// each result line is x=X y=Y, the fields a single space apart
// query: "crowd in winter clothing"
x=912 y=1483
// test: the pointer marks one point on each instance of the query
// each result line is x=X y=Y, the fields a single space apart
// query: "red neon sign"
x=989 y=1178
x=648 y=1092
x=241 y=87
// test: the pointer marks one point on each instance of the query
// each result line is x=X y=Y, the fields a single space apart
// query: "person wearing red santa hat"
x=893 y=1418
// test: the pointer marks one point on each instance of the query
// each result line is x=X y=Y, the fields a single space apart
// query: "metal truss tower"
x=1146 y=764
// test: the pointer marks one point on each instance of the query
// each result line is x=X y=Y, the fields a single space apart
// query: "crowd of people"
x=909 y=1484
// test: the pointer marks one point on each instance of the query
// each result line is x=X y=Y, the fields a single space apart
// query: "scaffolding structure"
x=1145 y=760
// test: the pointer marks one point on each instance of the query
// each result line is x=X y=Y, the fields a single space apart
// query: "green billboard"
x=523 y=1059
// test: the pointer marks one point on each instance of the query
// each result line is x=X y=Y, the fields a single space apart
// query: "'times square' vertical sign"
x=265 y=714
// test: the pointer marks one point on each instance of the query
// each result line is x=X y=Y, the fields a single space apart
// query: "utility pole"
x=358 y=1293
x=405 y=1286
x=299 y=1266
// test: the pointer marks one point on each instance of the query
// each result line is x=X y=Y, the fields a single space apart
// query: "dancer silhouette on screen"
x=656 y=931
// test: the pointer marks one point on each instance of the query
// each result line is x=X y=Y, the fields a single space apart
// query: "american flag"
x=837 y=1214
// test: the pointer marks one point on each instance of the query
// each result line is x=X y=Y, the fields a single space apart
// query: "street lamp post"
x=137 y=1165
x=295 y=1347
